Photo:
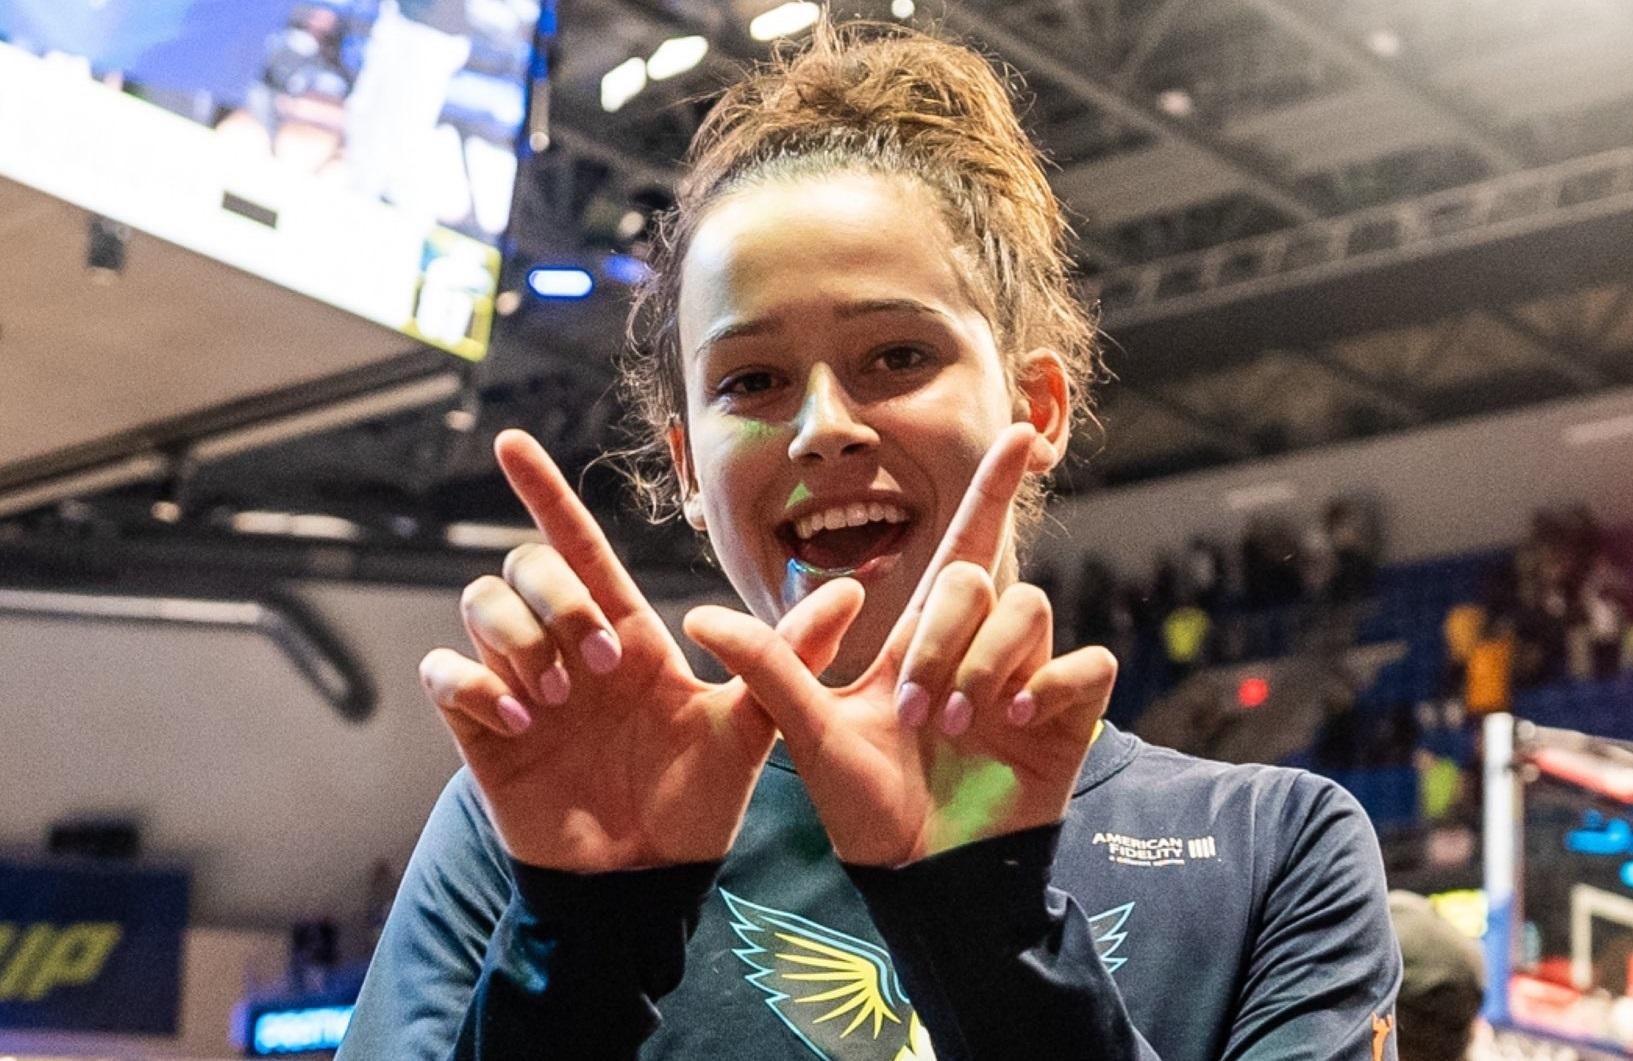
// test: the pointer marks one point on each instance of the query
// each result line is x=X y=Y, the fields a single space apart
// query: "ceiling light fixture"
x=622 y=83
x=565 y=281
x=676 y=56
x=783 y=20
x=1384 y=43
x=1176 y=103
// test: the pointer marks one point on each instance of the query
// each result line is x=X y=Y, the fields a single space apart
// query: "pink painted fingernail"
x=957 y=715
x=1022 y=708
x=912 y=704
x=554 y=685
x=513 y=714
x=601 y=653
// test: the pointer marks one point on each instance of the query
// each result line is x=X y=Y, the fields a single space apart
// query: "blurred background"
x=274 y=274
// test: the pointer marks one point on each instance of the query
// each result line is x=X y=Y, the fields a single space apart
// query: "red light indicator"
x=1252 y=692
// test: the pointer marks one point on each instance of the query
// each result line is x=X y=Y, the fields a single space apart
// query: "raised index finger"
x=566 y=523
x=981 y=523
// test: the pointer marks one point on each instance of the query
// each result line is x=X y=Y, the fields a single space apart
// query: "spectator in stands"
x=1098 y=601
x=1353 y=537
x=1603 y=608
x=1203 y=566
x=1185 y=637
x=1541 y=568
x=1270 y=564
x=1442 y=982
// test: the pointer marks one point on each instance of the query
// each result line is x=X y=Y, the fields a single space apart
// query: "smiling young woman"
x=858 y=359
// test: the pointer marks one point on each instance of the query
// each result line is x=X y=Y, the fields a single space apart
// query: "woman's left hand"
x=963 y=727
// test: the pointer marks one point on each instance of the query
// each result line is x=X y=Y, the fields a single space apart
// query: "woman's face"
x=841 y=388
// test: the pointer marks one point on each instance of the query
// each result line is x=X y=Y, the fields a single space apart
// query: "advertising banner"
x=88 y=945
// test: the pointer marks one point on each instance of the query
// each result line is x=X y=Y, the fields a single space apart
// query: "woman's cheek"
x=737 y=457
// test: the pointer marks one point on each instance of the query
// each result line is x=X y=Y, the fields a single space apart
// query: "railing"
x=1504 y=206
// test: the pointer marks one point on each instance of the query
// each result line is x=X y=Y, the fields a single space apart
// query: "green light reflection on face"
x=972 y=794
x=801 y=492
x=753 y=430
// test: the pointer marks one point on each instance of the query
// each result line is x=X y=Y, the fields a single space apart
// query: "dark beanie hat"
x=1442 y=981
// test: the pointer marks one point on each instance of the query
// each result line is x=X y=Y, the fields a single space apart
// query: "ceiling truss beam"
x=1223 y=435
x=1106 y=96
x=1566 y=356
x=1387 y=398
x=1497 y=152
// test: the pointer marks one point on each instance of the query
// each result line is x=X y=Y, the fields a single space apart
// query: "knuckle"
x=928 y=663
x=570 y=606
x=515 y=557
x=434 y=670
x=978 y=681
x=531 y=561
x=966 y=577
x=763 y=653
x=1029 y=600
x=515 y=640
x=479 y=595
x=1104 y=664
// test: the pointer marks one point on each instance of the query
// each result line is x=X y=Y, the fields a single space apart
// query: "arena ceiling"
x=1305 y=221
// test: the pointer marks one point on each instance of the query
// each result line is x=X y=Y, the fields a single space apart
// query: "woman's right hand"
x=594 y=744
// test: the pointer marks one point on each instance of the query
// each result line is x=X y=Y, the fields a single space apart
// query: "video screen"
x=361 y=152
x=1572 y=969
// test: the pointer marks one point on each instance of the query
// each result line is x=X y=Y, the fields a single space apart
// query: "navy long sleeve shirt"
x=1183 y=910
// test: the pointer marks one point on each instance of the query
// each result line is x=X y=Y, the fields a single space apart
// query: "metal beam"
x=1153 y=28
x=1571 y=362
x=1398 y=406
x=1105 y=95
x=1613 y=318
x=1496 y=150
x=1221 y=434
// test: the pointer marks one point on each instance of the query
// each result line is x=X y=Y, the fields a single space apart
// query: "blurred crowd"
x=1556 y=609
x=1210 y=603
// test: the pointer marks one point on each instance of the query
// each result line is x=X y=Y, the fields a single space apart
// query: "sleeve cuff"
x=1005 y=877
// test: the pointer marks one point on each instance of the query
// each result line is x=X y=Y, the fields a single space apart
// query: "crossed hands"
x=597 y=748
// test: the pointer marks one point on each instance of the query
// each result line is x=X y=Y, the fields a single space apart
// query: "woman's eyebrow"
x=735 y=330
x=739 y=329
x=887 y=305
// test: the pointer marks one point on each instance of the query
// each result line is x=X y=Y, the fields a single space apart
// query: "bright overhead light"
x=622 y=83
x=1597 y=431
x=560 y=282
x=296 y=525
x=1260 y=495
x=783 y=20
x=676 y=56
x=1175 y=102
x=902 y=9
x=1385 y=43
x=497 y=537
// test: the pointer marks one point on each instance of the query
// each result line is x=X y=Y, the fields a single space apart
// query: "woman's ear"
x=691 y=501
x=1043 y=399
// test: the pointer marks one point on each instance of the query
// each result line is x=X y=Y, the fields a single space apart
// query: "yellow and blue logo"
x=839 y=994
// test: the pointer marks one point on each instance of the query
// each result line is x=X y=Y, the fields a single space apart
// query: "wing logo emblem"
x=826 y=985
x=1109 y=933
x=840 y=994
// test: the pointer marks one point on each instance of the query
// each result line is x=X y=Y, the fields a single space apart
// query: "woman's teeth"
x=853 y=515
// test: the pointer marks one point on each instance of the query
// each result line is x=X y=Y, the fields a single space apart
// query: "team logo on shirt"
x=840 y=994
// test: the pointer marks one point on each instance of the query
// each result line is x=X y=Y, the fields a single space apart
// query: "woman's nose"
x=826 y=427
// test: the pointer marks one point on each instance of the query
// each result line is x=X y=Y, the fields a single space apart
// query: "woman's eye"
x=900 y=358
x=746 y=383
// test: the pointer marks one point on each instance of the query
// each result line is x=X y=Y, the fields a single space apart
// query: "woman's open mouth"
x=855 y=540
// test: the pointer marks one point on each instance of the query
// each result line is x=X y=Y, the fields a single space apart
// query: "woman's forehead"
x=792 y=247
